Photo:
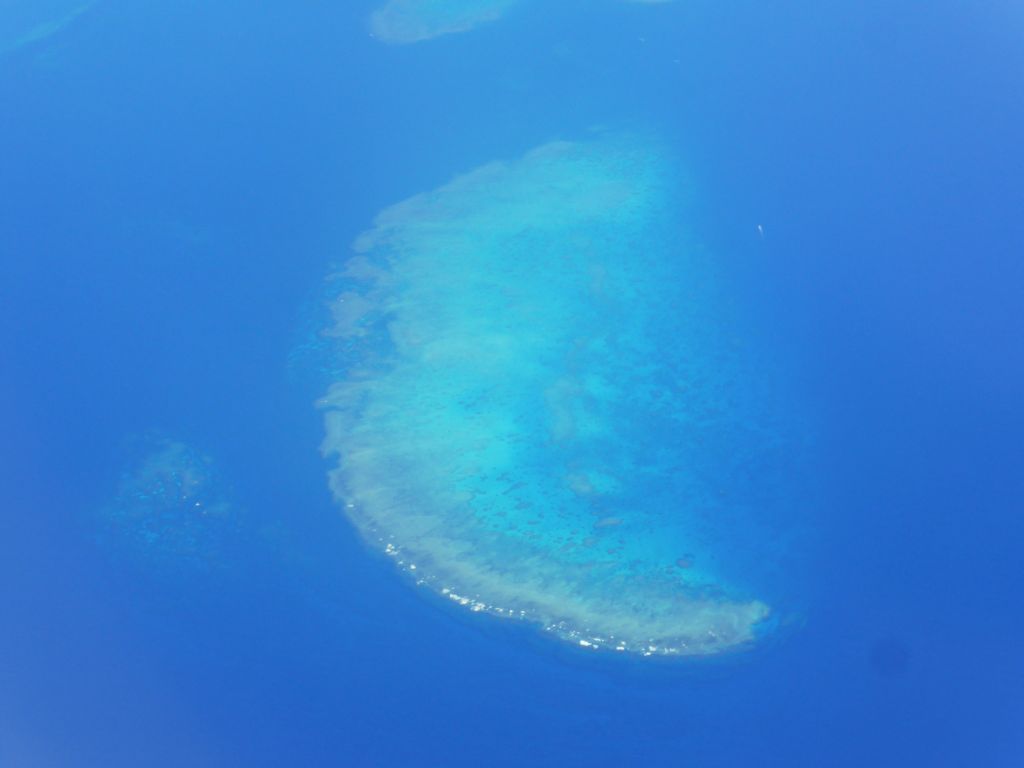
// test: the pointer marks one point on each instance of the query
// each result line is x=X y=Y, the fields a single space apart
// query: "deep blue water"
x=177 y=179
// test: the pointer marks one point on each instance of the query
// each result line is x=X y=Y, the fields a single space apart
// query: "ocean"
x=685 y=321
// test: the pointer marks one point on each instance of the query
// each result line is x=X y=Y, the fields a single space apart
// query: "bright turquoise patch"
x=544 y=415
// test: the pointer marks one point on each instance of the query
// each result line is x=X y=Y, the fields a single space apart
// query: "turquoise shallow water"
x=547 y=413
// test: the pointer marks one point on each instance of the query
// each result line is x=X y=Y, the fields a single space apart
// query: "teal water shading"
x=544 y=416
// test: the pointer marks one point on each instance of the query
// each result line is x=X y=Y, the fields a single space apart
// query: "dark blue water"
x=177 y=179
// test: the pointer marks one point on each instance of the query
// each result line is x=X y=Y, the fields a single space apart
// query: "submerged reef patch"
x=542 y=415
x=24 y=23
x=170 y=510
x=412 y=21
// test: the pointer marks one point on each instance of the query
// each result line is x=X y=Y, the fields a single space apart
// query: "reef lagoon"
x=544 y=416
